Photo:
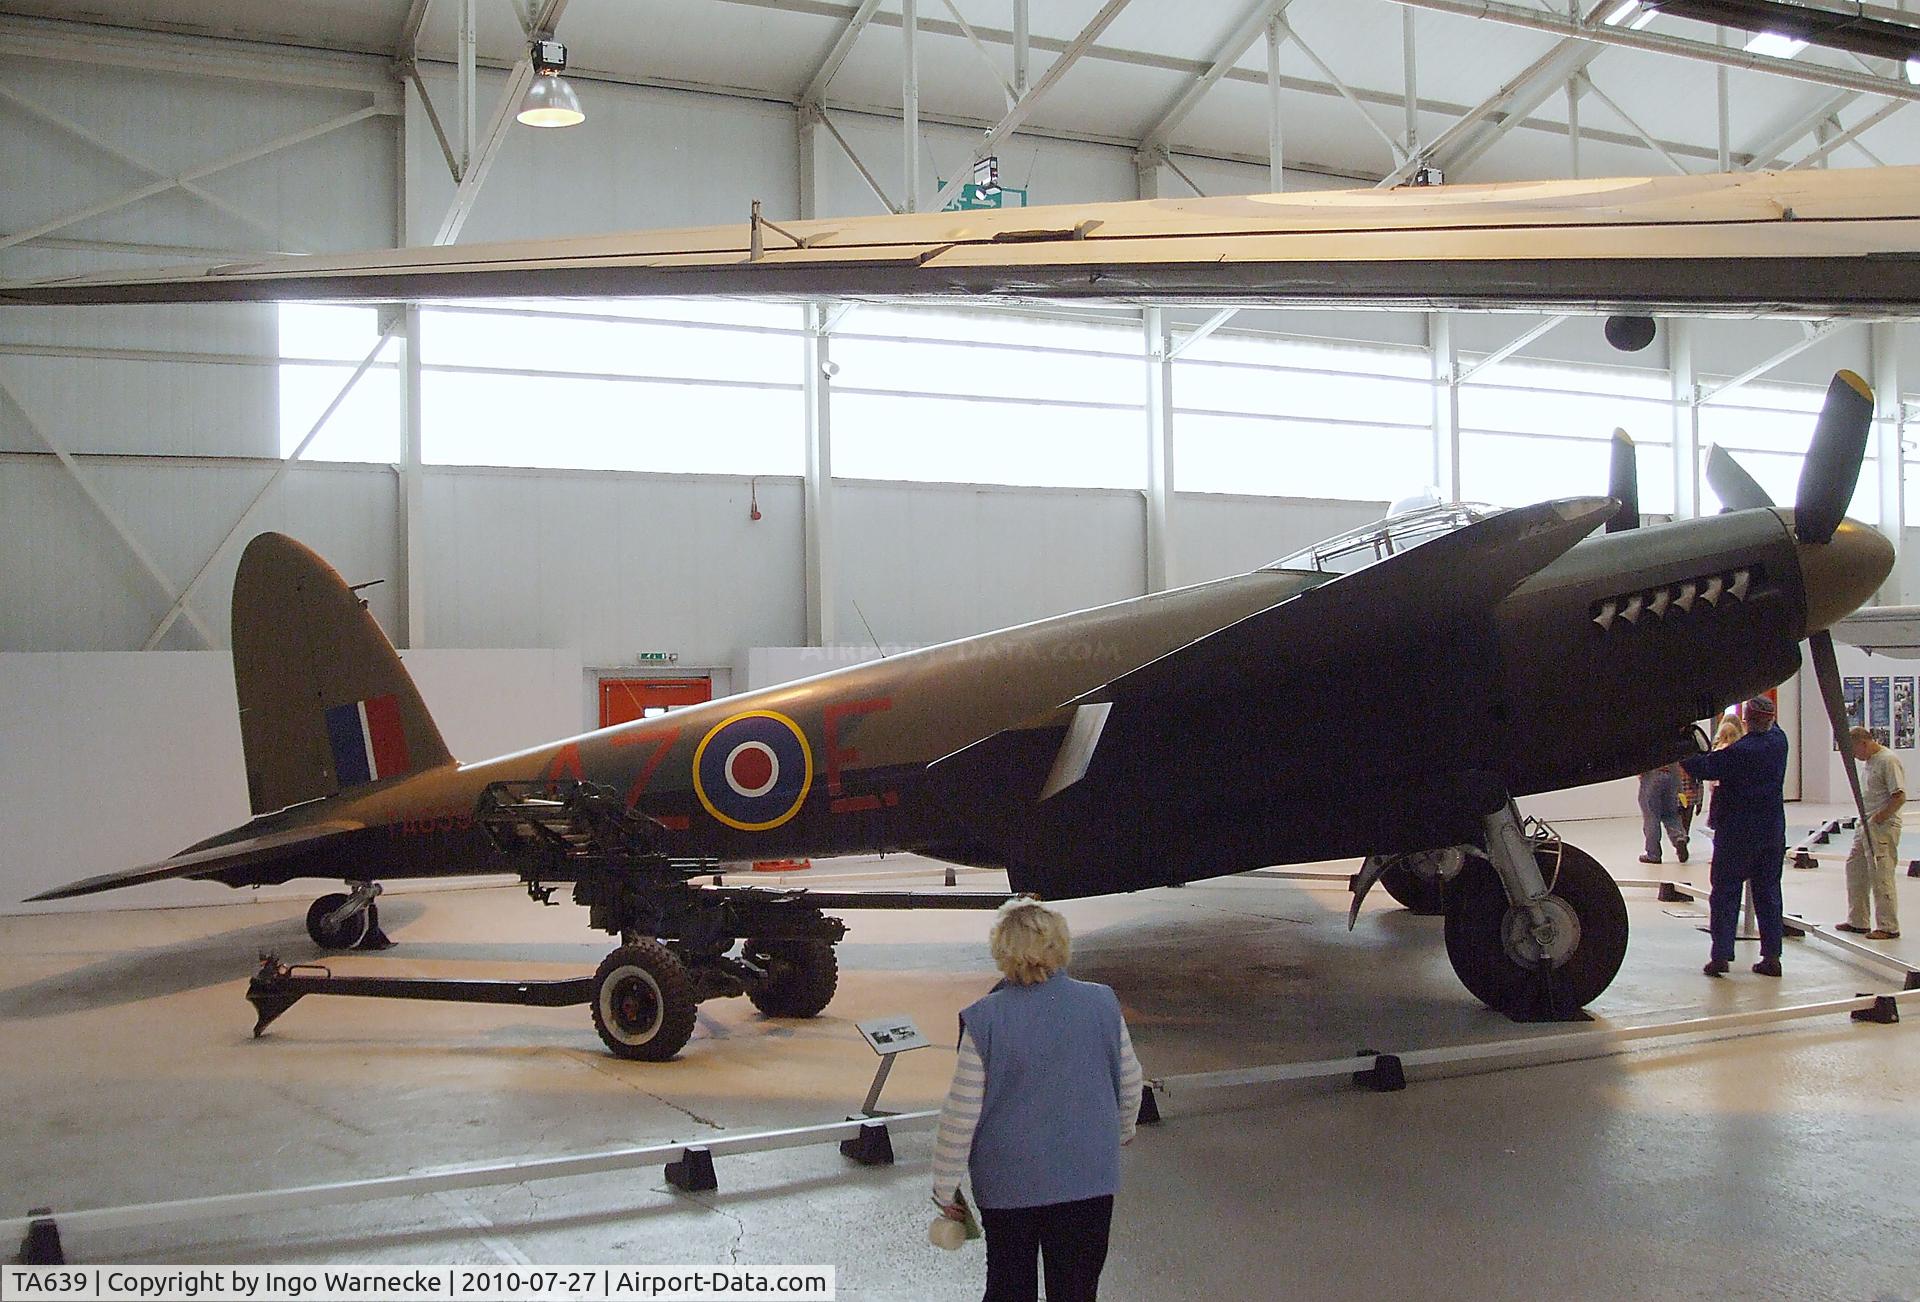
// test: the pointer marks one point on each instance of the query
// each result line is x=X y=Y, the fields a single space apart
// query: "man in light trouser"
x=1870 y=872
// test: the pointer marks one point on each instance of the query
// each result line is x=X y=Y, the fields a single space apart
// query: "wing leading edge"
x=207 y=862
x=1833 y=242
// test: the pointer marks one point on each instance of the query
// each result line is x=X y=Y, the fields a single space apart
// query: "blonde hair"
x=1029 y=941
x=1861 y=733
x=1730 y=731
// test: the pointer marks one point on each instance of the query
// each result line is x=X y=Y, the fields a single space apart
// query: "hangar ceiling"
x=1489 y=81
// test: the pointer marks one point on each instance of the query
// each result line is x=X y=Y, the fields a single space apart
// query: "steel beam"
x=1410 y=68
x=866 y=175
x=1851 y=135
x=1768 y=153
x=40 y=40
x=1658 y=43
x=1884 y=350
x=1031 y=100
x=11 y=405
x=487 y=149
x=181 y=179
x=1395 y=149
x=1506 y=350
x=817 y=522
x=1815 y=334
x=407 y=40
x=1159 y=361
x=1202 y=331
x=910 y=111
x=1022 y=48
x=823 y=75
x=979 y=47
x=466 y=86
x=273 y=481
x=1685 y=395
x=67 y=125
x=1245 y=32
x=412 y=477
x=1645 y=136
x=1445 y=371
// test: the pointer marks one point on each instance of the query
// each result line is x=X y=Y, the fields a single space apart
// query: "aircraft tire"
x=643 y=1002
x=1476 y=921
x=346 y=935
x=1426 y=896
x=802 y=976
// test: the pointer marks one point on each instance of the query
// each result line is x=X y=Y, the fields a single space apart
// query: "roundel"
x=753 y=771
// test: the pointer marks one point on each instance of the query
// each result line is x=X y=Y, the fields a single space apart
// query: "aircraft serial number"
x=56 y=1281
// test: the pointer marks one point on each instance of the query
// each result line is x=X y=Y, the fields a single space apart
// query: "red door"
x=625 y=699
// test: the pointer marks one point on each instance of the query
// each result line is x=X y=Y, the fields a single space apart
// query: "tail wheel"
x=643 y=1002
x=1512 y=967
x=801 y=976
x=1419 y=893
x=348 y=933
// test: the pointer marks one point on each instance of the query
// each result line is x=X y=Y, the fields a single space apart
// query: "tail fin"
x=325 y=703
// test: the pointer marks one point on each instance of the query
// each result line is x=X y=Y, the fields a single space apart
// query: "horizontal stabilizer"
x=206 y=862
x=1461 y=575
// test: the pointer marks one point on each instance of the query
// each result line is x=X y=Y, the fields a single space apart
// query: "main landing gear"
x=348 y=921
x=1536 y=928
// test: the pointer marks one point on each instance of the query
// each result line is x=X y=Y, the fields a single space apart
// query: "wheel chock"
x=42 y=1247
x=693 y=1173
x=375 y=939
x=1788 y=929
x=1671 y=894
x=1385 y=1076
x=1913 y=867
x=1885 y=1012
x=873 y=1146
x=1804 y=861
x=1913 y=979
x=1149 y=1108
x=950 y=879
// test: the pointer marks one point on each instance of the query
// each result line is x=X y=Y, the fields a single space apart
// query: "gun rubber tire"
x=346 y=935
x=801 y=976
x=1426 y=896
x=643 y=1002
x=1476 y=920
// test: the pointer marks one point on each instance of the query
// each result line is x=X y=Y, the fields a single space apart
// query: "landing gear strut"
x=1538 y=929
x=340 y=921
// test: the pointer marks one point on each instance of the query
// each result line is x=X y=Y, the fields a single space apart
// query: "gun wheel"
x=643 y=1002
x=801 y=976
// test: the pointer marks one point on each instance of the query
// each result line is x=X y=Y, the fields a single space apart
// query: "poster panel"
x=1880 y=708
x=1903 y=714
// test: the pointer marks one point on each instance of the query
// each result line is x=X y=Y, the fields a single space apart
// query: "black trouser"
x=1071 y=1236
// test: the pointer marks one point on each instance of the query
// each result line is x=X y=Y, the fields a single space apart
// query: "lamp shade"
x=550 y=102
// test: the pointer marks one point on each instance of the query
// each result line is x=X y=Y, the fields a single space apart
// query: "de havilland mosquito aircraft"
x=1387 y=694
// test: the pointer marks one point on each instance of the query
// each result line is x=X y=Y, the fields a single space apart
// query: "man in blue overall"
x=1750 y=834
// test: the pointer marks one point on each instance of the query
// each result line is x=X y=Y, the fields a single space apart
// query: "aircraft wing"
x=1456 y=576
x=1888 y=630
x=1812 y=241
x=208 y=862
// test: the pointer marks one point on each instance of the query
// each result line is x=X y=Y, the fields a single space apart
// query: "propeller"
x=1623 y=484
x=1832 y=468
x=1736 y=489
x=1827 y=480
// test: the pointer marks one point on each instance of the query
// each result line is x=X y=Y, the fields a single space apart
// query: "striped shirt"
x=960 y=1114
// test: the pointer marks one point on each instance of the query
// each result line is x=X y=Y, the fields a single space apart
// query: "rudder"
x=325 y=703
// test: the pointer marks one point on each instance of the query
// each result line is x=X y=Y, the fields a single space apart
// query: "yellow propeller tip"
x=1855 y=383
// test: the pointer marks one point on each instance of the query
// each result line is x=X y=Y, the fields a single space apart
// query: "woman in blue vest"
x=1044 y=1094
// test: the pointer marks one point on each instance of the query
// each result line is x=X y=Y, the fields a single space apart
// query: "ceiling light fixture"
x=1775 y=46
x=550 y=101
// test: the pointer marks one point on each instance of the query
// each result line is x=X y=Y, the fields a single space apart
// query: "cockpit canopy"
x=1372 y=543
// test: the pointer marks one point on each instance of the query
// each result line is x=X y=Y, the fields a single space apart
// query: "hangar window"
x=699 y=387
x=988 y=398
x=1532 y=431
x=319 y=349
x=1767 y=428
x=1273 y=416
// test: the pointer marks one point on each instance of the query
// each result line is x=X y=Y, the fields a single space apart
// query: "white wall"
x=108 y=761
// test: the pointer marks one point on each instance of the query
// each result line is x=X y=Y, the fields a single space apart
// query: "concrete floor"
x=1775 y=1165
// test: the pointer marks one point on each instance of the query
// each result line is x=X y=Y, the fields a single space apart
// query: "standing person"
x=1660 y=806
x=1045 y=1092
x=1870 y=869
x=1750 y=835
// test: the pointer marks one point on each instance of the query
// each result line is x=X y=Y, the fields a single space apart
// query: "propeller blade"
x=1623 y=484
x=1736 y=489
x=1832 y=467
x=1826 y=668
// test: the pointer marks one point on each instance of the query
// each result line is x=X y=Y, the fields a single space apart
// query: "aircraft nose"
x=1841 y=575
